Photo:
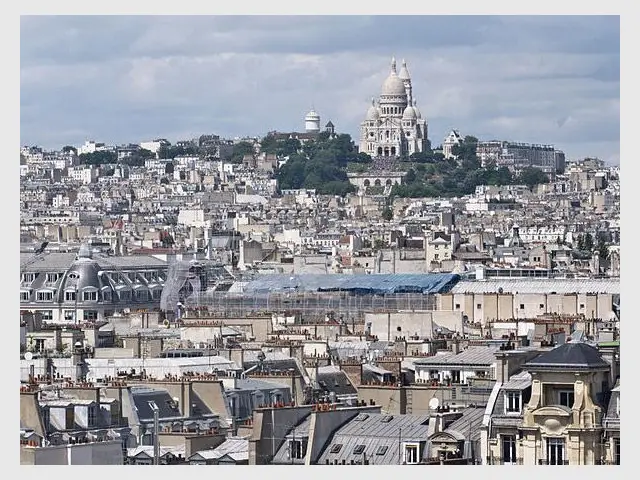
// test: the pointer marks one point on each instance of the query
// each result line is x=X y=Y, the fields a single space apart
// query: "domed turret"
x=409 y=113
x=404 y=72
x=415 y=109
x=312 y=122
x=373 y=113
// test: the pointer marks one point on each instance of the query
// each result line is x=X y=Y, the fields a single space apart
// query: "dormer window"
x=24 y=296
x=53 y=277
x=411 y=453
x=70 y=296
x=28 y=277
x=513 y=402
x=90 y=296
x=44 y=296
x=297 y=449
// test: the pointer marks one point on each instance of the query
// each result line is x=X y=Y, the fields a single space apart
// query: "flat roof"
x=539 y=285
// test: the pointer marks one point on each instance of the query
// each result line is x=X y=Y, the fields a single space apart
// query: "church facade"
x=393 y=125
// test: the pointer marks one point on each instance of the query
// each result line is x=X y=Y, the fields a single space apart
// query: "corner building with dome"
x=394 y=126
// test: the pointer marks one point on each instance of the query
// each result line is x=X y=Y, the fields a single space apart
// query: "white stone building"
x=394 y=126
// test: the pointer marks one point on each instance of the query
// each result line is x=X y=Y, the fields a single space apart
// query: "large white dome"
x=393 y=86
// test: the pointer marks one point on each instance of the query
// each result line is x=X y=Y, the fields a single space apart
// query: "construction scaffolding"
x=307 y=305
x=188 y=280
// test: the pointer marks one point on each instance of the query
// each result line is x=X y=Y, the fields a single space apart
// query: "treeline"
x=318 y=164
x=433 y=176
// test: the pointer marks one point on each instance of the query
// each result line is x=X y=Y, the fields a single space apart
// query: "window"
x=46 y=418
x=141 y=295
x=70 y=296
x=90 y=315
x=512 y=402
x=91 y=296
x=542 y=305
x=44 y=296
x=53 y=277
x=336 y=448
x=382 y=449
x=24 y=296
x=457 y=306
x=522 y=306
x=555 y=451
x=566 y=398
x=47 y=314
x=69 y=315
x=386 y=418
x=411 y=454
x=91 y=417
x=28 y=277
x=508 y=449
x=616 y=451
x=69 y=419
x=358 y=450
x=296 y=450
x=582 y=305
x=361 y=417
x=479 y=306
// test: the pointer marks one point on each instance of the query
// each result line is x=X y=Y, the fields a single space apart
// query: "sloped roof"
x=571 y=356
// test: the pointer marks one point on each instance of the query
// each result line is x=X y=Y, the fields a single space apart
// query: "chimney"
x=353 y=371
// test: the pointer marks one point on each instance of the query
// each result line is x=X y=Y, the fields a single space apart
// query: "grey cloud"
x=121 y=79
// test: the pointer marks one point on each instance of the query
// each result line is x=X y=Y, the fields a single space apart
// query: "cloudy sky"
x=121 y=79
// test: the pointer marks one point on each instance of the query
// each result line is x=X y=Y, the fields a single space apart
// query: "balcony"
x=502 y=461
x=542 y=461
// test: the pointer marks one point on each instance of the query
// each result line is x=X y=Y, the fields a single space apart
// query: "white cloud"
x=134 y=78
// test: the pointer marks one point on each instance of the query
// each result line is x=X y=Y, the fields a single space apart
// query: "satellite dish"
x=434 y=403
x=28 y=356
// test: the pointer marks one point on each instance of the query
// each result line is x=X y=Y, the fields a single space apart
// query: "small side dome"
x=409 y=113
x=415 y=109
x=373 y=113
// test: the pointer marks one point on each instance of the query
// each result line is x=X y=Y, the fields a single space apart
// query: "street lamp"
x=75 y=309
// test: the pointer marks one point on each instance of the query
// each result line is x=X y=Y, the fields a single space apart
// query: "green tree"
x=387 y=213
x=101 y=157
x=241 y=149
x=169 y=168
x=70 y=149
x=269 y=144
x=531 y=176
x=603 y=249
x=580 y=242
x=410 y=177
x=588 y=242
